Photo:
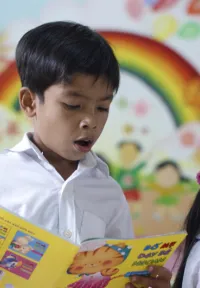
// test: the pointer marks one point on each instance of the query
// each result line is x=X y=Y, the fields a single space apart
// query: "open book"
x=33 y=257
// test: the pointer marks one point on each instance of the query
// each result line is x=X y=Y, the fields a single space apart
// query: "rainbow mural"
x=9 y=87
x=161 y=68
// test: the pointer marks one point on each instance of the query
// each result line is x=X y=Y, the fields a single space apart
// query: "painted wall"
x=152 y=139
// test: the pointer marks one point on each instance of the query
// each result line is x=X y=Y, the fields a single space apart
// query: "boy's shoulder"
x=11 y=161
x=8 y=160
x=9 y=169
x=5 y=157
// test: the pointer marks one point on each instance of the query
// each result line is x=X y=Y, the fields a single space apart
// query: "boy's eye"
x=72 y=107
x=102 y=109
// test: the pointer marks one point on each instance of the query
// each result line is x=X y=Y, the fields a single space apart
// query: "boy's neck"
x=63 y=166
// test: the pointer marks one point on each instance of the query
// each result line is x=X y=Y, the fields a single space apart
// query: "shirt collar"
x=26 y=145
x=89 y=161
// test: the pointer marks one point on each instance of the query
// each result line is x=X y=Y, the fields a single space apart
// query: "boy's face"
x=72 y=116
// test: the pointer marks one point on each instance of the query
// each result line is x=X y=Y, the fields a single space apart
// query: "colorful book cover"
x=33 y=257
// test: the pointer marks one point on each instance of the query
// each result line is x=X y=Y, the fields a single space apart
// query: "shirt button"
x=68 y=234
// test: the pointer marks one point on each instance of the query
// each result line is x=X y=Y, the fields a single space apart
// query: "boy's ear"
x=27 y=101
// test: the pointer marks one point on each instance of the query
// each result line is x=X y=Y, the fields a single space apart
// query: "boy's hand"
x=159 y=277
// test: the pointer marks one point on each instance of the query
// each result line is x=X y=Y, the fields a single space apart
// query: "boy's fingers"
x=161 y=273
x=129 y=285
x=149 y=282
x=159 y=277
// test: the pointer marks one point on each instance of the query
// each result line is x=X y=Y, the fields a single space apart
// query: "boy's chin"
x=75 y=157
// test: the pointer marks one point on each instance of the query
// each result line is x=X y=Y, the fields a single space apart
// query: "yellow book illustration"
x=31 y=256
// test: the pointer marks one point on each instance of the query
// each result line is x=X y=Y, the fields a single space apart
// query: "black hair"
x=173 y=164
x=165 y=163
x=53 y=52
x=123 y=143
x=192 y=227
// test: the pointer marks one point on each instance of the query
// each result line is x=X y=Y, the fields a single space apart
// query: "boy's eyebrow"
x=77 y=94
x=109 y=97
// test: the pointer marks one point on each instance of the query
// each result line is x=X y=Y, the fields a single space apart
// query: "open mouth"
x=83 y=145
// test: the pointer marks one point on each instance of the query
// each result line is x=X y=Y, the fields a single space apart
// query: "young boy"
x=69 y=76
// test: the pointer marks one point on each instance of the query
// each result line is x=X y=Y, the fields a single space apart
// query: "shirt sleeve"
x=121 y=224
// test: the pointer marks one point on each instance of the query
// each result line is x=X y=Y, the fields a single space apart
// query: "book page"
x=29 y=255
x=110 y=263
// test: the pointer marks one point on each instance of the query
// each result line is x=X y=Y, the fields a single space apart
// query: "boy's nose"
x=88 y=122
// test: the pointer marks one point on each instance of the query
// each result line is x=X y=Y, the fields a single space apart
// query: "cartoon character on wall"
x=21 y=244
x=170 y=184
x=160 y=5
x=10 y=262
x=196 y=155
x=97 y=267
x=128 y=175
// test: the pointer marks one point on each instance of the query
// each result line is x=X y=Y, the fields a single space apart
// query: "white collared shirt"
x=191 y=277
x=89 y=204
